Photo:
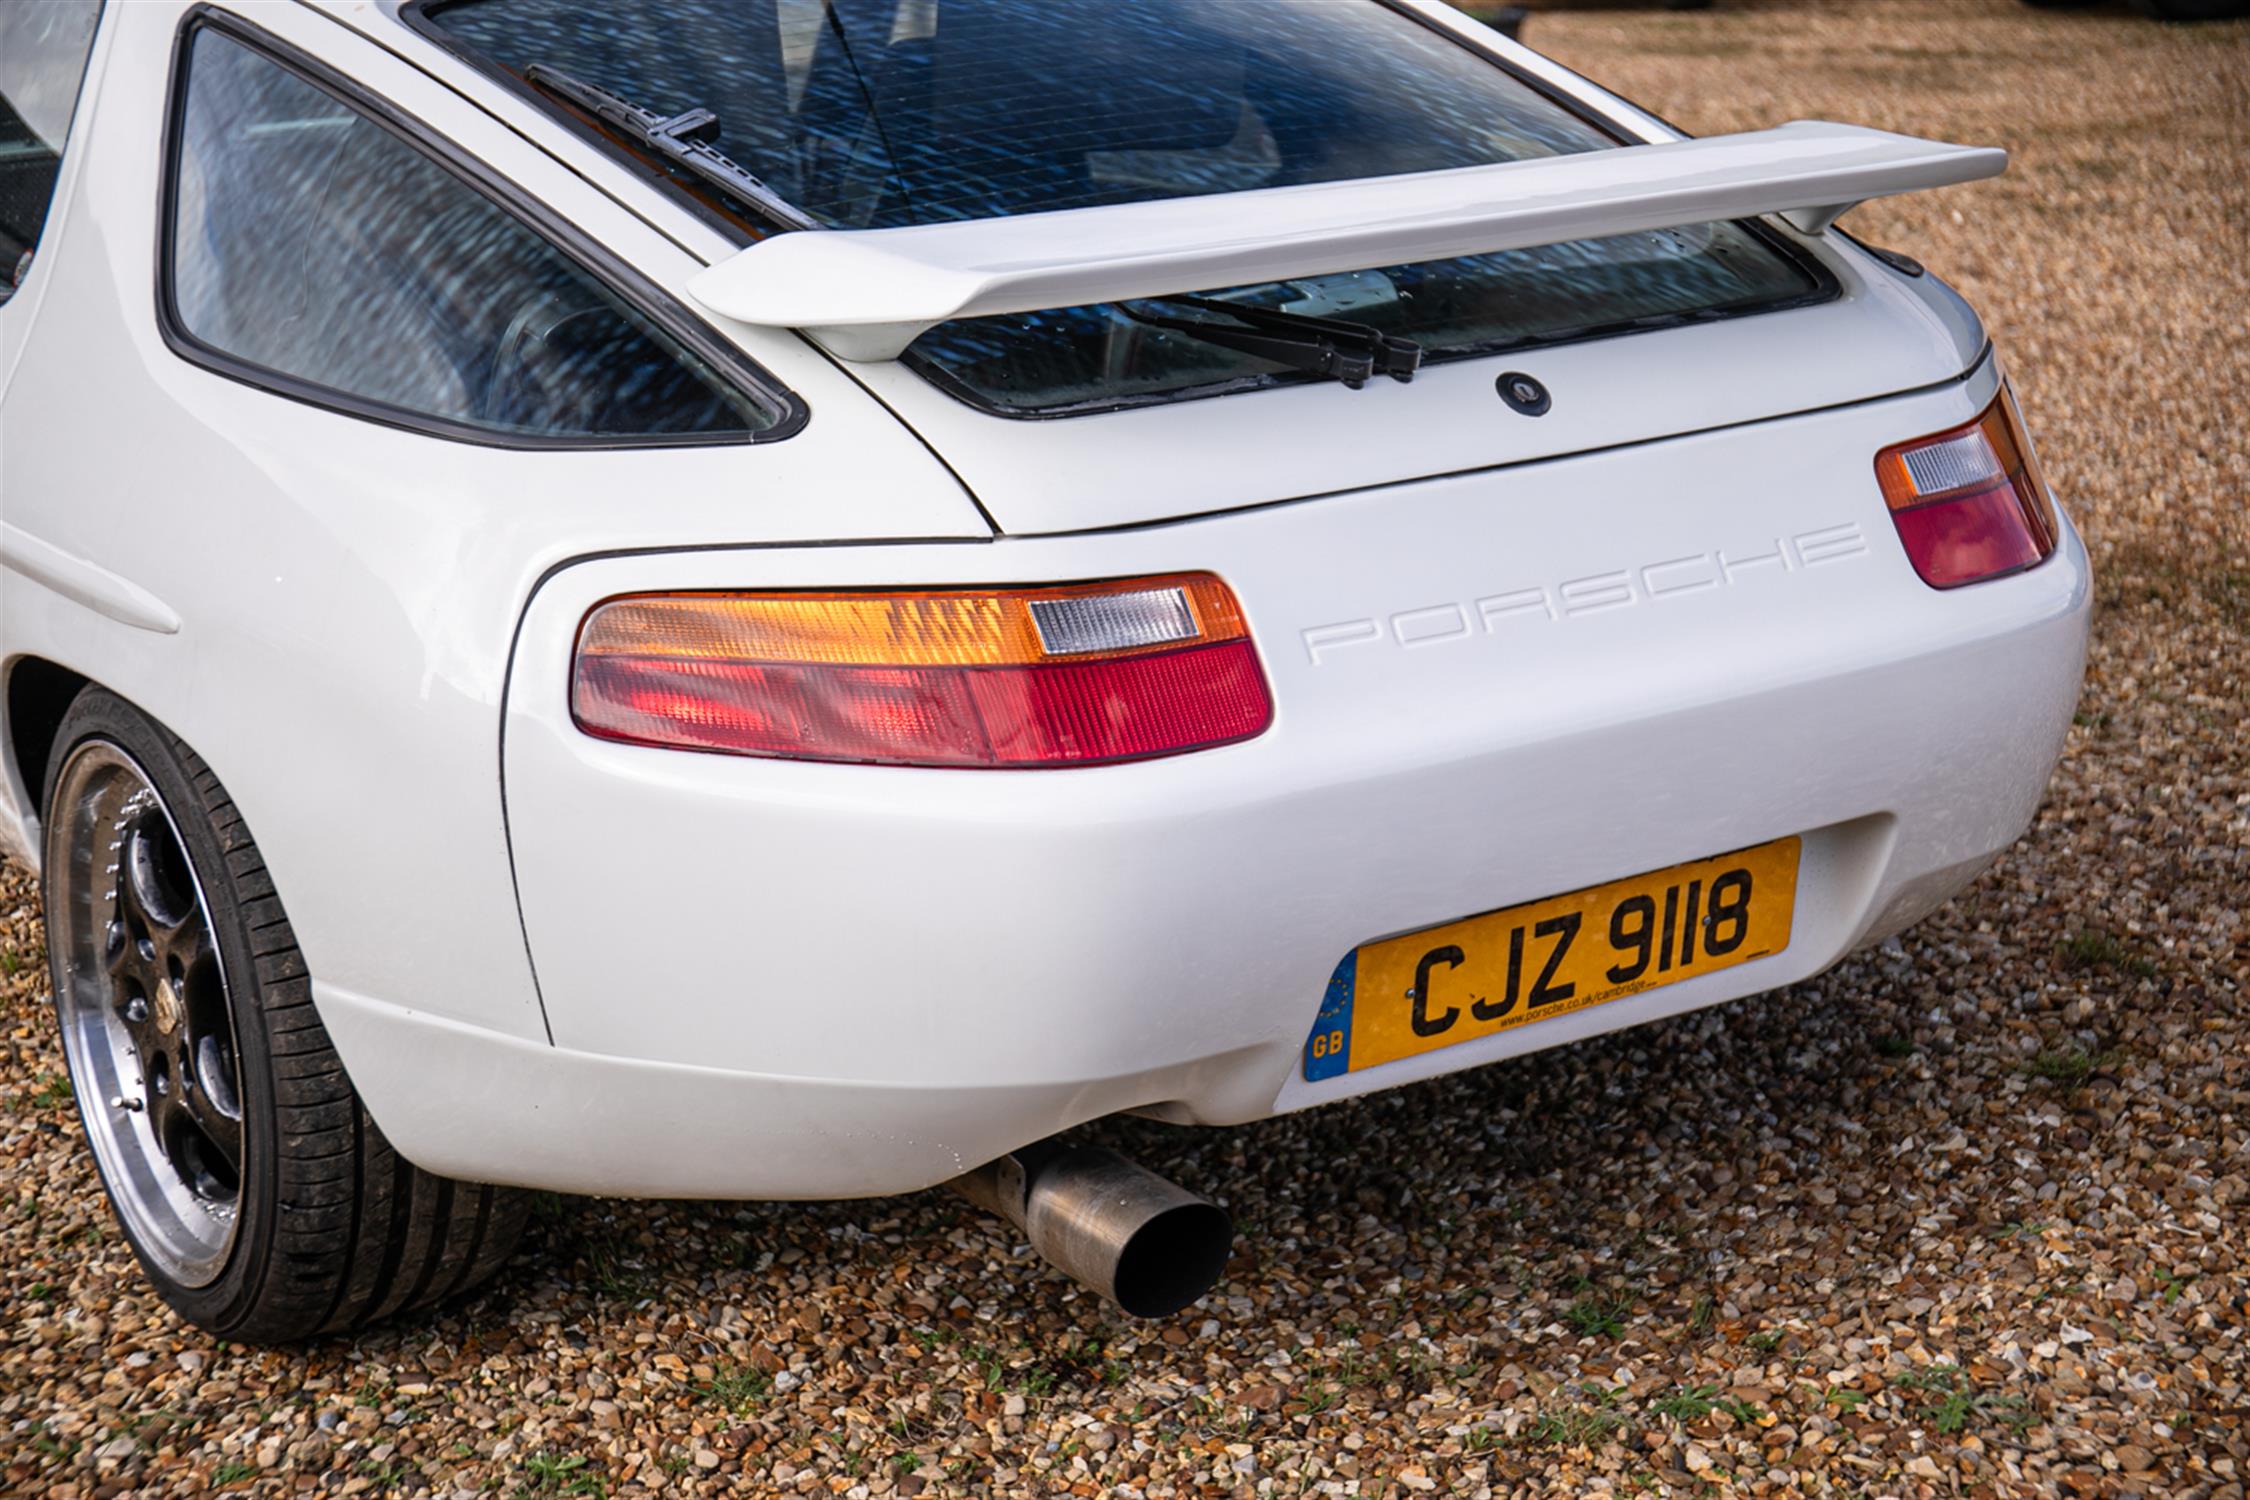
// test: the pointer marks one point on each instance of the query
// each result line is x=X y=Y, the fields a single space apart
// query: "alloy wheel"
x=147 y=1020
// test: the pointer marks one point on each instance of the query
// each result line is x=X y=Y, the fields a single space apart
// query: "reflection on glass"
x=310 y=241
x=43 y=49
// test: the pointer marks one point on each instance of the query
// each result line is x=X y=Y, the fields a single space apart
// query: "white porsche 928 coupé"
x=787 y=598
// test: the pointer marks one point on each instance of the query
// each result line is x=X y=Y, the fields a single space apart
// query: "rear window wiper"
x=684 y=140
x=1350 y=352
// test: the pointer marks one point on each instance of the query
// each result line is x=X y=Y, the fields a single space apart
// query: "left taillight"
x=1970 y=503
x=1012 y=677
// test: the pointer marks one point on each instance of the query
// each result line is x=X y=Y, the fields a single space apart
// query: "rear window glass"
x=878 y=113
x=873 y=113
x=1096 y=358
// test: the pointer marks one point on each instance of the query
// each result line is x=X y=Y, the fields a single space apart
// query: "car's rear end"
x=1487 y=689
x=1697 y=608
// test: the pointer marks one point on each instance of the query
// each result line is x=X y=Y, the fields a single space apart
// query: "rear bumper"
x=771 y=979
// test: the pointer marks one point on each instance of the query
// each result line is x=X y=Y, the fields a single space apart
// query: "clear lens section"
x=1953 y=464
x=1112 y=622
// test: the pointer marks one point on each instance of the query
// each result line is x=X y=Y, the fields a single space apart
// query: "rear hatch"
x=990 y=213
x=1876 y=334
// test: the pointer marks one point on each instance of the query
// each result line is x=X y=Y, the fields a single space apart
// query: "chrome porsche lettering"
x=1593 y=593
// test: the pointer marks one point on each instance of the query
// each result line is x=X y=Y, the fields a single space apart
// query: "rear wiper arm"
x=1350 y=352
x=683 y=139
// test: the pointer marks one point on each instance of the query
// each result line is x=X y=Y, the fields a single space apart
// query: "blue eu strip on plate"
x=1328 y=1051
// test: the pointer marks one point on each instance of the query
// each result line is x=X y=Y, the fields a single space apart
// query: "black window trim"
x=731 y=366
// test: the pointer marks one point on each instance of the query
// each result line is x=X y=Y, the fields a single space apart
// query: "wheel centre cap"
x=168 y=1007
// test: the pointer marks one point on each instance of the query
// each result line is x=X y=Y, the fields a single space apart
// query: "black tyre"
x=261 y=1199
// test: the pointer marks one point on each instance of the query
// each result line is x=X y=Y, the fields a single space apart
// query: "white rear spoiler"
x=865 y=294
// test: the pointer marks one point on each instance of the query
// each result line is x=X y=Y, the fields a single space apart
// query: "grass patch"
x=1599 y=1315
x=1687 y=1403
x=2092 y=948
x=1574 y=1429
x=53 y=1092
x=1953 y=1403
x=736 y=1388
x=550 y=1473
x=1587 y=1426
x=2068 y=1066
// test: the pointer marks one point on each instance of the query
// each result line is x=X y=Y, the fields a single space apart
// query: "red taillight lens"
x=987 y=677
x=1970 y=503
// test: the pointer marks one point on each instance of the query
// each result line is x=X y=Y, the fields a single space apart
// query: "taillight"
x=940 y=677
x=1970 y=503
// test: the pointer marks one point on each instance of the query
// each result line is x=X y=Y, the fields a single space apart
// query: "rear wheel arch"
x=337 y=1230
x=39 y=693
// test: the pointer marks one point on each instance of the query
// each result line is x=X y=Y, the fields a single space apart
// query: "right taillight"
x=1970 y=504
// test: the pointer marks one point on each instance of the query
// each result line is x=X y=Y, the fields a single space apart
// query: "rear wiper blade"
x=683 y=139
x=1350 y=352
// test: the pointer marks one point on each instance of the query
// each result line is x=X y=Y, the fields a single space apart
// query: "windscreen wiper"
x=1350 y=352
x=683 y=139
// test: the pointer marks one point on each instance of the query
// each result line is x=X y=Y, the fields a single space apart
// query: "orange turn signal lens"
x=1970 y=503
x=1072 y=675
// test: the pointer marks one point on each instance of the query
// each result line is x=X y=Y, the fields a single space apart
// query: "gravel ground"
x=1965 y=1216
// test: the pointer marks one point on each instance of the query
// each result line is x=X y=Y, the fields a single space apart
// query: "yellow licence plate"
x=1471 y=978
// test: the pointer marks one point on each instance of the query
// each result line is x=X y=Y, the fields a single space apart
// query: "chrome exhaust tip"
x=1144 y=1242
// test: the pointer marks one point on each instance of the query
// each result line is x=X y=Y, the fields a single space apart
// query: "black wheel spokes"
x=168 y=993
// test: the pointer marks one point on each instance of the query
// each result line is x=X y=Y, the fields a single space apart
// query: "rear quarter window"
x=312 y=246
x=43 y=51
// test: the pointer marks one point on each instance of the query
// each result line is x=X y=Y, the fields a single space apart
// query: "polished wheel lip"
x=186 y=1230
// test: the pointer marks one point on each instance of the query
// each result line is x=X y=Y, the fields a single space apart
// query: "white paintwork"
x=865 y=294
x=796 y=979
x=347 y=592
